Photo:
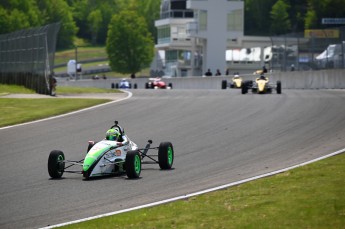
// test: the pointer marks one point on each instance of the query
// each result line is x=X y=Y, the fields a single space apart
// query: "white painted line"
x=196 y=193
x=129 y=95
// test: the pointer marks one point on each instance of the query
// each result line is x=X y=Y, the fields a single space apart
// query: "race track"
x=219 y=136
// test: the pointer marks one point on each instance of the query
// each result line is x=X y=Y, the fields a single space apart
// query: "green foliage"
x=81 y=12
x=130 y=46
x=257 y=16
x=59 y=11
x=17 y=15
x=95 y=22
x=90 y=19
x=280 y=18
x=318 y=9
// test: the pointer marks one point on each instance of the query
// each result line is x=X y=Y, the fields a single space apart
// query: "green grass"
x=312 y=196
x=84 y=53
x=82 y=90
x=15 y=111
x=14 y=89
x=84 y=66
x=87 y=53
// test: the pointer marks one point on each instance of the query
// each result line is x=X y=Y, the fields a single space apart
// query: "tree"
x=95 y=22
x=16 y=15
x=150 y=9
x=59 y=11
x=318 y=9
x=130 y=46
x=280 y=18
x=257 y=16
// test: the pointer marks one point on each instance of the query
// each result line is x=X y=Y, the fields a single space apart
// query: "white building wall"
x=216 y=34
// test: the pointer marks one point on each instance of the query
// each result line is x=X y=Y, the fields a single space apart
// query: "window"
x=202 y=20
x=235 y=20
x=163 y=34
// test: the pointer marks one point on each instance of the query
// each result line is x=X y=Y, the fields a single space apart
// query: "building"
x=194 y=36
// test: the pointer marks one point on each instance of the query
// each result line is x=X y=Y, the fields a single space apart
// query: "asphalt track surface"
x=219 y=136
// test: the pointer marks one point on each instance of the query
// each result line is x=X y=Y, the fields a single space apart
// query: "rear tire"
x=170 y=85
x=244 y=88
x=56 y=164
x=165 y=155
x=279 y=87
x=133 y=164
x=135 y=86
x=224 y=83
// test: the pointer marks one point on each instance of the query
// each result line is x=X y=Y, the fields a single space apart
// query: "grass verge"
x=15 y=111
x=84 y=53
x=311 y=196
x=14 y=89
x=82 y=90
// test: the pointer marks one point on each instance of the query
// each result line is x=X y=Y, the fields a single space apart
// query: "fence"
x=311 y=50
x=27 y=57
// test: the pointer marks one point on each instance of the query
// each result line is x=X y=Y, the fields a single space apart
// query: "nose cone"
x=261 y=85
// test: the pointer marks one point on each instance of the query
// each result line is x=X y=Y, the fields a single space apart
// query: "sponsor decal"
x=118 y=152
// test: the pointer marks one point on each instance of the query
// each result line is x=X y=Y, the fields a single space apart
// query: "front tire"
x=165 y=155
x=56 y=164
x=133 y=164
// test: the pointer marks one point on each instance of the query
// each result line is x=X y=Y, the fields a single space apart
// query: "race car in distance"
x=114 y=155
x=261 y=85
x=125 y=84
x=157 y=83
x=236 y=82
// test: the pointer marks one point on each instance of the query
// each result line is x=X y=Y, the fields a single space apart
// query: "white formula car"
x=112 y=157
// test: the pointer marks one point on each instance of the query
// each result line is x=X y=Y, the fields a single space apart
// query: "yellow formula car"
x=261 y=85
x=236 y=82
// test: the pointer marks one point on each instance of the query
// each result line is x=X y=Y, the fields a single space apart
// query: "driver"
x=115 y=135
x=262 y=77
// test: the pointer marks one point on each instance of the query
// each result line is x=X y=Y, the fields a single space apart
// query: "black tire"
x=170 y=85
x=279 y=87
x=117 y=86
x=56 y=164
x=135 y=86
x=165 y=155
x=224 y=83
x=244 y=88
x=147 y=85
x=133 y=164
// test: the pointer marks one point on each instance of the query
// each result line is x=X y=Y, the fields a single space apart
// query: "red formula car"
x=157 y=83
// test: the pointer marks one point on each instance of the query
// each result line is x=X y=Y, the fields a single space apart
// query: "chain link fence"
x=27 y=57
x=311 y=50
